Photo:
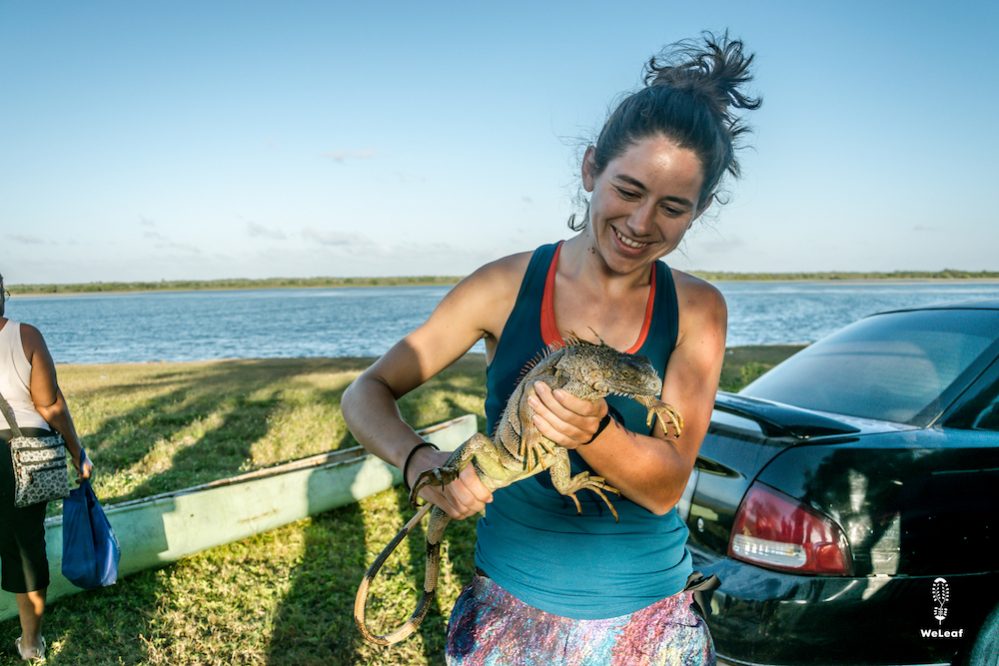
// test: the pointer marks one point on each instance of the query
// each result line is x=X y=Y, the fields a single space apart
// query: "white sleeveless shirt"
x=15 y=379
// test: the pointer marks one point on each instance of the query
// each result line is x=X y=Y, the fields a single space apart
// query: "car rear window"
x=890 y=366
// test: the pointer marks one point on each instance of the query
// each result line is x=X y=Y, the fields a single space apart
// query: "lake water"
x=266 y=323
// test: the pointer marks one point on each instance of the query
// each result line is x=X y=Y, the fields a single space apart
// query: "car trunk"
x=744 y=437
x=910 y=501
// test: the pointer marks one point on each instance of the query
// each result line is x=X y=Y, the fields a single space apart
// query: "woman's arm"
x=477 y=307
x=652 y=471
x=48 y=398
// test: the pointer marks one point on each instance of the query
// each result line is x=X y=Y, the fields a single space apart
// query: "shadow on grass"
x=315 y=624
x=227 y=404
x=95 y=627
x=227 y=445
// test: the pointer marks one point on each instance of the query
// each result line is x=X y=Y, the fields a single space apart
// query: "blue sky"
x=166 y=140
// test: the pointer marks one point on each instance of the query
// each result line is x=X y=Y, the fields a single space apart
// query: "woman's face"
x=643 y=202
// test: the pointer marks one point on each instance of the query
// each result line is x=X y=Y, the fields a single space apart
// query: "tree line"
x=430 y=280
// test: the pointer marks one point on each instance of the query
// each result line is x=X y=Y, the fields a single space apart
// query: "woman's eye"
x=627 y=194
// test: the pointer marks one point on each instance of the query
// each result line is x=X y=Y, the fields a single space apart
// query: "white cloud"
x=255 y=230
x=334 y=238
x=721 y=245
x=27 y=240
x=161 y=242
x=344 y=243
x=341 y=156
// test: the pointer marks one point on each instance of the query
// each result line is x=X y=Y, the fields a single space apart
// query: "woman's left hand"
x=563 y=418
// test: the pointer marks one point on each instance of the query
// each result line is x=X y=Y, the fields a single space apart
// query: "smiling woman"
x=652 y=171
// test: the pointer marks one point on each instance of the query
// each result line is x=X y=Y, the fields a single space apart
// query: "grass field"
x=286 y=596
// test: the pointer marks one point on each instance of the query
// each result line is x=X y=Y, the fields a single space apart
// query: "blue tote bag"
x=90 y=551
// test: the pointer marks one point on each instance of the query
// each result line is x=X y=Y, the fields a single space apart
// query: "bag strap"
x=8 y=414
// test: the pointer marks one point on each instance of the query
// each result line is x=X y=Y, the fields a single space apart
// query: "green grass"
x=286 y=596
x=282 y=597
x=154 y=427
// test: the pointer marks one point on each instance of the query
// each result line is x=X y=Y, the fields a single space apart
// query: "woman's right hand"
x=84 y=468
x=459 y=499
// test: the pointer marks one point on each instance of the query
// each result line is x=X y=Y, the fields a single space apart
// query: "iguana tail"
x=438 y=521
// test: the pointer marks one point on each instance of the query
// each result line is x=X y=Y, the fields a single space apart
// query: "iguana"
x=519 y=450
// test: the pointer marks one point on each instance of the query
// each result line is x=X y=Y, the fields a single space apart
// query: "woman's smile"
x=638 y=245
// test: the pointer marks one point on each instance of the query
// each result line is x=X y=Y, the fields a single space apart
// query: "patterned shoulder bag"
x=39 y=464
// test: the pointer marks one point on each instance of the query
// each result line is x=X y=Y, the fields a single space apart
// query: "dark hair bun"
x=714 y=69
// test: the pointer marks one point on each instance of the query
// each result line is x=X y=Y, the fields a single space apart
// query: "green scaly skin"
x=586 y=370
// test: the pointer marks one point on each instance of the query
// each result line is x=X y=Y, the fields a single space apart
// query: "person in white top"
x=28 y=383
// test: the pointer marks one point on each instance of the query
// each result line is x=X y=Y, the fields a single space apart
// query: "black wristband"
x=604 y=422
x=409 y=459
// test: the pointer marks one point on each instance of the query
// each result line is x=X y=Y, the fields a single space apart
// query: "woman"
x=552 y=584
x=28 y=383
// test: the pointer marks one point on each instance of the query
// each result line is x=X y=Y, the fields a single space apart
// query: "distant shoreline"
x=448 y=280
x=768 y=354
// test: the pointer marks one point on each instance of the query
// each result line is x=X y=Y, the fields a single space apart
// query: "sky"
x=203 y=140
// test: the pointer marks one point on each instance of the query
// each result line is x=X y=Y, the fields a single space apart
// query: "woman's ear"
x=589 y=168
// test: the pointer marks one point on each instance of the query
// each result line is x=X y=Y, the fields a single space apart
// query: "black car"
x=848 y=499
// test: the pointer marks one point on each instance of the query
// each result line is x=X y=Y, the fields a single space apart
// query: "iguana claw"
x=587 y=481
x=667 y=414
x=437 y=476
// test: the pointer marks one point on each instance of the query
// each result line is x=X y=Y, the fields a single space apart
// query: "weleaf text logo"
x=940 y=591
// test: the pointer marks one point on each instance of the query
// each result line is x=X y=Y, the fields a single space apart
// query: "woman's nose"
x=642 y=219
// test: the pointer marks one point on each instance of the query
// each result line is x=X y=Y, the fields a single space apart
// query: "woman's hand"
x=84 y=468
x=563 y=418
x=463 y=497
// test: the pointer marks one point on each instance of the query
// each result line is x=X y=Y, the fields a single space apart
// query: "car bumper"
x=760 y=617
x=729 y=662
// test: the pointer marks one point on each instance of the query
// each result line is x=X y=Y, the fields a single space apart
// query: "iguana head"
x=598 y=370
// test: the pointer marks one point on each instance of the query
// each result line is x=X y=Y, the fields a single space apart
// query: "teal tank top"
x=531 y=541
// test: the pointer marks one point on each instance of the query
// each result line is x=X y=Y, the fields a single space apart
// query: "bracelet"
x=409 y=459
x=604 y=422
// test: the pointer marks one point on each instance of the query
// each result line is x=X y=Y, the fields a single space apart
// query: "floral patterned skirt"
x=491 y=627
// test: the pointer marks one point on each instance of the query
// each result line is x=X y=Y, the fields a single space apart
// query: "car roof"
x=980 y=304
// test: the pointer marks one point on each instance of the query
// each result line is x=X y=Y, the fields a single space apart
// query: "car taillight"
x=774 y=530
